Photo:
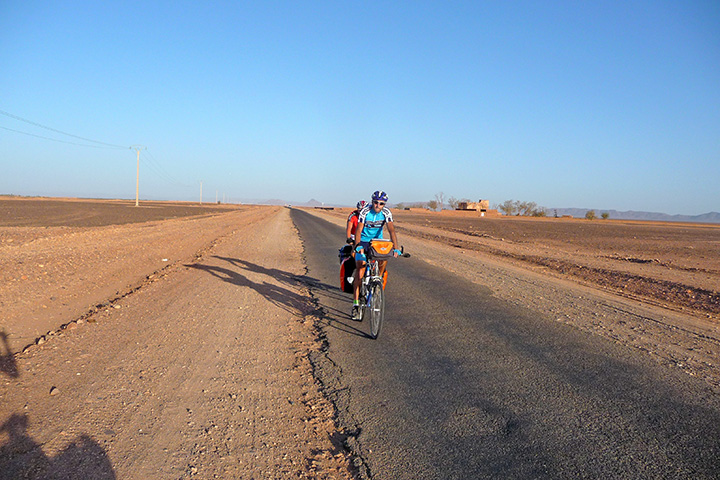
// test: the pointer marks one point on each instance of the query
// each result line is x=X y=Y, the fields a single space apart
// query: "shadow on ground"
x=23 y=457
x=291 y=301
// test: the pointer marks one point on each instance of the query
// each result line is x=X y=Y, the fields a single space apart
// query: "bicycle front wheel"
x=377 y=309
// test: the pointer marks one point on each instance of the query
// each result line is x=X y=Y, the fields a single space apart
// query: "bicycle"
x=372 y=294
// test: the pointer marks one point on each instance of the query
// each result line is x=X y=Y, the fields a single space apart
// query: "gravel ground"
x=192 y=362
x=175 y=343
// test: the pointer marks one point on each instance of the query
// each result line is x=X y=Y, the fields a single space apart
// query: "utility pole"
x=200 y=192
x=137 y=175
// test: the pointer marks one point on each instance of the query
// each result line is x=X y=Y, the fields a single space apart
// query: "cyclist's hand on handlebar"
x=396 y=253
x=350 y=240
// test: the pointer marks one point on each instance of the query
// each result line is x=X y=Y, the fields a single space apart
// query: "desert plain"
x=171 y=340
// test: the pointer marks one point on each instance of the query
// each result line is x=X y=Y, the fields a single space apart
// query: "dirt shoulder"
x=198 y=370
x=671 y=333
x=51 y=276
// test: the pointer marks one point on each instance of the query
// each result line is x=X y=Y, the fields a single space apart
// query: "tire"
x=376 y=309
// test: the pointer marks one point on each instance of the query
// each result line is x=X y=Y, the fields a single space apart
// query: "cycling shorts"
x=362 y=257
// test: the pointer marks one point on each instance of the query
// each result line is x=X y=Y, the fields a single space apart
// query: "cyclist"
x=352 y=222
x=371 y=220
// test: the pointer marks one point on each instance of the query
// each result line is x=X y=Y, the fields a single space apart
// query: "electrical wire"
x=148 y=159
x=157 y=168
x=107 y=145
x=55 y=139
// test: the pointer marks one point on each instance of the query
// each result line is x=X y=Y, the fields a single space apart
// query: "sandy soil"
x=172 y=341
x=192 y=368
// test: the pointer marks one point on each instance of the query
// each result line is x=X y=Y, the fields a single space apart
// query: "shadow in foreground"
x=22 y=457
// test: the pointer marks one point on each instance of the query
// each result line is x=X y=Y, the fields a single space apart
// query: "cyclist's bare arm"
x=393 y=237
x=348 y=230
x=358 y=234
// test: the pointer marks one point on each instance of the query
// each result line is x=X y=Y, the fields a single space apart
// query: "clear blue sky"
x=605 y=105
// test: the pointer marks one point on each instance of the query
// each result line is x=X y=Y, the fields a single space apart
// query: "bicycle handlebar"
x=401 y=254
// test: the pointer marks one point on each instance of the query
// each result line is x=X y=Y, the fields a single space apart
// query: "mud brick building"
x=481 y=206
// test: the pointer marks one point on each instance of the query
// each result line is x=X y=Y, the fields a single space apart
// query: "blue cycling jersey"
x=373 y=222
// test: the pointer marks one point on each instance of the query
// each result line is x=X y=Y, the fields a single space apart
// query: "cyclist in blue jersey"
x=371 y=220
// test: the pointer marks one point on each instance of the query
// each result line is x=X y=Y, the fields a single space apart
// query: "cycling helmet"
x=379 y=195
x=360 y=204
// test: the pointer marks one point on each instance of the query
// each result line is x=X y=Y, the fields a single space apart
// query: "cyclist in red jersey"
x=352 y=222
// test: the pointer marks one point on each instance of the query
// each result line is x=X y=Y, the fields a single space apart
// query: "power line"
x=147 y=159
x=56 y=139
x=150 y=160
x=7 y=114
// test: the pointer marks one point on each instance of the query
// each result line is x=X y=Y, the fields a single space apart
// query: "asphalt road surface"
x=461 y=384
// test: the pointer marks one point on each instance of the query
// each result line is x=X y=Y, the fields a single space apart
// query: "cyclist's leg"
x=360 y=262
x=359 y=274
x=360 y=266
x=381 y=267
x=356 y=312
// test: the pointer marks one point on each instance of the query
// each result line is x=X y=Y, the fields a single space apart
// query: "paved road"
x=463 y=385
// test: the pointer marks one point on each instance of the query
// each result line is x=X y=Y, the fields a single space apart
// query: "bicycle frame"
x=372 y=273
x=371 y=297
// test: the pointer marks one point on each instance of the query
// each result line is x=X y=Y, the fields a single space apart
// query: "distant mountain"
x=277 y=201
x=711 y=217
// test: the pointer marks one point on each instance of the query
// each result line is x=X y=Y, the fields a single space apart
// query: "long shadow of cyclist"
x=282 y=276
x=329 y=316
x=286 y=299
x=292 y=302
x=23 y=457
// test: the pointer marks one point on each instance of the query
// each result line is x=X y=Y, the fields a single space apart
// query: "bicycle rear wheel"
x=376 y=308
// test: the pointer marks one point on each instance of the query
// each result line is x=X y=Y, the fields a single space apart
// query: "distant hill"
x=711 y=217
x=277 y=201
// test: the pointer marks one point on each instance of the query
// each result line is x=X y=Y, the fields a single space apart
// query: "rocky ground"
x=172 y=341
x=166 y=349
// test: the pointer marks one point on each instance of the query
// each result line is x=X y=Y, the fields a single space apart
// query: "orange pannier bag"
x=381 y=249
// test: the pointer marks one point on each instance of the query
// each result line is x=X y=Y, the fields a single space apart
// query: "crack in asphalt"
x=328 y=374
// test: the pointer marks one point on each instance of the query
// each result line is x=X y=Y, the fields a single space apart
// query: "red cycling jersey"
x=354 y=219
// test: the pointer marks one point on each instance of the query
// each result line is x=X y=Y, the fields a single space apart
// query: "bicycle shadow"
x=283 y=276
x=330 y=316
x=22 y=457
x=327 y=315
x=290 y=301
x=341 y=321
x=8 y=365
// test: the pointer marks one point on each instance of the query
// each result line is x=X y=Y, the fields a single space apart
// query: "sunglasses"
x=378 y=203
